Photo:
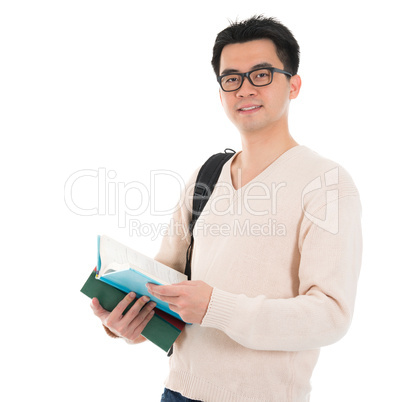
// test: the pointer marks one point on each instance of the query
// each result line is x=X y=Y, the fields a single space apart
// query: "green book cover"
x=162 y=330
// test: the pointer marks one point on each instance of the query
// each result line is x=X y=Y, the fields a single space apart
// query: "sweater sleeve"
x=321 y=313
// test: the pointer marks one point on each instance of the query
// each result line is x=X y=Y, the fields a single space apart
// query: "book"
x=121 y=270
x=162 y=330
x=130 y=271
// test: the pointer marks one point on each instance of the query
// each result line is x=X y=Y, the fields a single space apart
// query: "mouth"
x=249 y=109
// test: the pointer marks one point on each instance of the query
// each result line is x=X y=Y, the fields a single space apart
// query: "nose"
x=247 y=89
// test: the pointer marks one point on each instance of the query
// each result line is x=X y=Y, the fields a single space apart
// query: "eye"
x=230 y=79
x=261 y=77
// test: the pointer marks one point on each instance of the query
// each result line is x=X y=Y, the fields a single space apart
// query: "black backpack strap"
x=204 y=186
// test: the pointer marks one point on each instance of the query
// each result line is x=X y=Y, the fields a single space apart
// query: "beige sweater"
x=283 y=255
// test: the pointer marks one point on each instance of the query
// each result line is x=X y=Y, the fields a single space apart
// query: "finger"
x=141 y=316
x=168 y=299
x=146 y=320
x=166 y=290
x=95 y=305
x=119 y=309
x=141 y=326
x=127 y=326
x=98 y=310
x=136 y=308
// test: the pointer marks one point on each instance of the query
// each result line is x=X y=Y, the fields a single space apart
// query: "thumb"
x=98 y=310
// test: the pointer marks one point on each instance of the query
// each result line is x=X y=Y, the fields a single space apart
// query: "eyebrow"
x=233 y=70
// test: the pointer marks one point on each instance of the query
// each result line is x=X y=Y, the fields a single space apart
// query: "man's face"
x=271 y=102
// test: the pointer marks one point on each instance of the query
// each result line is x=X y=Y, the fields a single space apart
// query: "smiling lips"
x=249 y=108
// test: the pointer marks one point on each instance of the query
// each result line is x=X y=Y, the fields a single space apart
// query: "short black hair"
x=259 y=27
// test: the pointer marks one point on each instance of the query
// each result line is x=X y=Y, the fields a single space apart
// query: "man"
x=276 y=278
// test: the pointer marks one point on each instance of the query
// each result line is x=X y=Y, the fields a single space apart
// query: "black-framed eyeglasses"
x=259 y=77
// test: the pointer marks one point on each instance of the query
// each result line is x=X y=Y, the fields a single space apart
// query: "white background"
x=79 y=91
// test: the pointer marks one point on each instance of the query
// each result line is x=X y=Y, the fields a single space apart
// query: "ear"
x=220 y=96
x=295 y=85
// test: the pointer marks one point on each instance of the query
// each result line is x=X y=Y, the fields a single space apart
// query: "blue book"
x=130 y=271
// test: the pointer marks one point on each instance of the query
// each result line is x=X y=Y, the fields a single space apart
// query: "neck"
x=260 y=149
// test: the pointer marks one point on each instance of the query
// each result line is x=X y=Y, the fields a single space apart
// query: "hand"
x=189 y=299
x=129 y=326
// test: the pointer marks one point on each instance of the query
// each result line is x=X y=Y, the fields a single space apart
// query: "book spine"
x=99 y=263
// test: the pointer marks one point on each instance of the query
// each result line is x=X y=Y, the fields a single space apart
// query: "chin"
x=251 y=128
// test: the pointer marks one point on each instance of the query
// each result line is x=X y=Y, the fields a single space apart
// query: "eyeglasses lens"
x=258 y=78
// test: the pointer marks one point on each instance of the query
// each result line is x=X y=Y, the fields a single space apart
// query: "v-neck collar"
x=290 y=153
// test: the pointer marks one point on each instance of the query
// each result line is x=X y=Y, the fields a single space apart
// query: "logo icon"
x=331 y=221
